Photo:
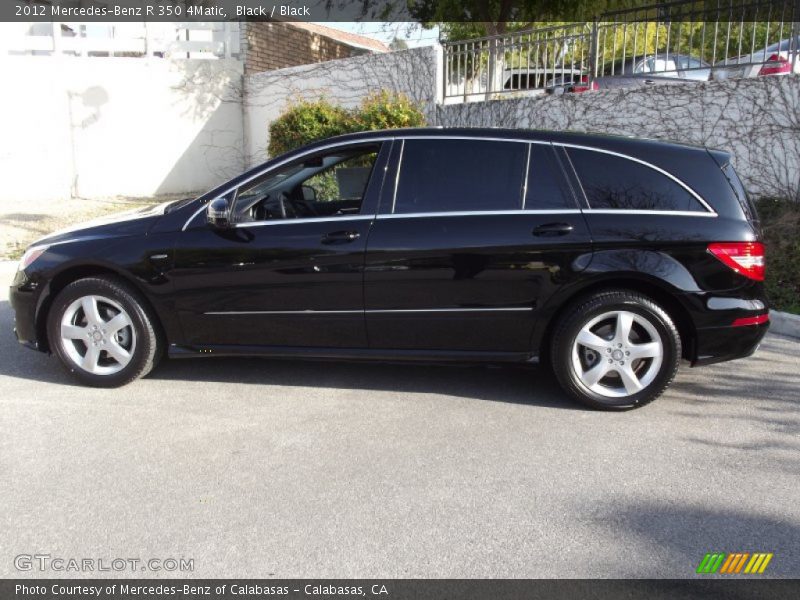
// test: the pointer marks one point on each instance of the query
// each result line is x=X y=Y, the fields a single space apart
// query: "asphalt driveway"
x=313 y=469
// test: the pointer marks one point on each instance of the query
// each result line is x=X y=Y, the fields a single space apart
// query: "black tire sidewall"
x=562 y=349
x=146 y=344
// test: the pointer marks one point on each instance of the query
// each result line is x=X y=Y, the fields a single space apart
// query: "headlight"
x=31 y=254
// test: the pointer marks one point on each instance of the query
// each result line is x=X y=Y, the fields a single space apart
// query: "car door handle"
x=553 y=229
x=340 y=237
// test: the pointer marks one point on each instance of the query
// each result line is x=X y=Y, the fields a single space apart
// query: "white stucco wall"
x=346 y=82
x=90 y=127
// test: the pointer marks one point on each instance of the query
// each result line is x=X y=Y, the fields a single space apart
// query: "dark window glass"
x=546 y=186
x=618 y=183
x=325 y=185
x=460 y=175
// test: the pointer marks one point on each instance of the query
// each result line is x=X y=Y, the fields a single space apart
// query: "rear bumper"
x=719 y=344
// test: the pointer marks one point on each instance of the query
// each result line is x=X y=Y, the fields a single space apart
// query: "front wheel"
x=615 y=350
x=102 y=332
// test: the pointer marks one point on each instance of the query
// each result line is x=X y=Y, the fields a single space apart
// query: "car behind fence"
x=676 y=42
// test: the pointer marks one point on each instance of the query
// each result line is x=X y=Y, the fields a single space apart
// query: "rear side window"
x=617 y=183
x=460 y=175
x=547 y=188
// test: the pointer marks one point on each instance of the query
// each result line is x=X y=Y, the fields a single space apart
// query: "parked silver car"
x=654 y=69
x=781 y=58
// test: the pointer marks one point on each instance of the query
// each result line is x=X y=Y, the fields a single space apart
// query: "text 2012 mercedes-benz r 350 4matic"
x=609 y=258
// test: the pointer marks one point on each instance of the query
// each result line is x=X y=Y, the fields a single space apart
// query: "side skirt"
x=185 y=351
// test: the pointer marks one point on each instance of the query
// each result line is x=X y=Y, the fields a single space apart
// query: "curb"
x=784 y=323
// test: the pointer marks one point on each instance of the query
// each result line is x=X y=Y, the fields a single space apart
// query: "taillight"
x=775 y=65
x=746 y=258
x=584 y=85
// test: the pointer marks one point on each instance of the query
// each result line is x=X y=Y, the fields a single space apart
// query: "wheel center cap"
x=617 y=354
x=97 y=336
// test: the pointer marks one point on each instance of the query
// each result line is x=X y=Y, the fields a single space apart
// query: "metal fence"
x=676 y=42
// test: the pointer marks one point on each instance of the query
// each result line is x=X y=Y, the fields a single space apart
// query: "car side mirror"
x=218 y=213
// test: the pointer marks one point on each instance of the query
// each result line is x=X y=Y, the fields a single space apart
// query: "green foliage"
x=780 y=221
x=307 y=122
x=385 y=110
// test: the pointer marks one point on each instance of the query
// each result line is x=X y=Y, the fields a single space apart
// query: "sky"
x=413 y=34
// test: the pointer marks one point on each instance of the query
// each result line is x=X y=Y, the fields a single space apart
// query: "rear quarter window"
x=617 y=183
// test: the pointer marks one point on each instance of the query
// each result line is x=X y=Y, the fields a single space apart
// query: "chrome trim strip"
x=197 y=212
x=424 y=310
x=474 y=213
x=647 y=164
x=397 y=174
x=527 y=172
x=304 y=220
x=673 y=213
x=372 y=311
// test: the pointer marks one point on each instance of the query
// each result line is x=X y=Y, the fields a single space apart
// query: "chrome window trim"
x=369 y=311
x=475 y=213
x=285 y=161
x=525 y=181
x=647 y=164
x=304 y=220
x=403 y=138
x=634 y=211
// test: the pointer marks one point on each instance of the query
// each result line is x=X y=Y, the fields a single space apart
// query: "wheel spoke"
x=89 y=362
x=591 y=340
x=629 y=379
x=648 y=350
x=595 y=374
x=74 y=332
x=91 y=311
x=117 y=352
x=623 y=330
x=117 y=323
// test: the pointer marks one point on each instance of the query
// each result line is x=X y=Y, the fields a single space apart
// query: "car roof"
x=597 y=140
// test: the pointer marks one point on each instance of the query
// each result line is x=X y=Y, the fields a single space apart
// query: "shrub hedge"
x=307 y=122
x=780 y=222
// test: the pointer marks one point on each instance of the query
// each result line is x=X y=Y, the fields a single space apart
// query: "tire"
x=103 y=332
x=600 y=366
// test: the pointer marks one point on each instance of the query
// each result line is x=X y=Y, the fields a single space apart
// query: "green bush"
x=780 y=221
x=308 y=122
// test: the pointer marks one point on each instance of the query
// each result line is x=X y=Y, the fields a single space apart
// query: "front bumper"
x=23 y=295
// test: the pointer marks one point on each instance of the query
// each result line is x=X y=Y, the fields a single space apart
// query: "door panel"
x=291 y=281
x=273 y=284
x=469 y=282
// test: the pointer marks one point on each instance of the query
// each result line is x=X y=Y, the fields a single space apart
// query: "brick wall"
x=269 y=45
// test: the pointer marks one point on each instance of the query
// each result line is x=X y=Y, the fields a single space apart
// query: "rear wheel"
x=615 y=350
x=102 y=332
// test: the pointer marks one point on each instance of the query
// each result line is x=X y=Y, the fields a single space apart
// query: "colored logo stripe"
x=734 y=562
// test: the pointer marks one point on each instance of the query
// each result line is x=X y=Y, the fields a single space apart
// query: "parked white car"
x=776 y=59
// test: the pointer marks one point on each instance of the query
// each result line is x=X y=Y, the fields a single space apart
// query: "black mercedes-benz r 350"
x=608 y=258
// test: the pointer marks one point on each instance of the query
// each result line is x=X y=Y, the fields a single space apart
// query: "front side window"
x=615 y=182
x=330 y=184
x=460 y=175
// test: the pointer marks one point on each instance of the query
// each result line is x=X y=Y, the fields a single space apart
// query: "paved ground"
x=292 y=469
